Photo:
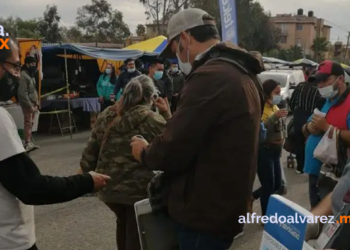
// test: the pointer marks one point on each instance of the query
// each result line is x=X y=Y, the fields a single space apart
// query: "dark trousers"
x=300 y=151
x=269 y=173
x=127 y=233
x=33 y=247
x=192 y=240
x=314 y=195
x=106 y=104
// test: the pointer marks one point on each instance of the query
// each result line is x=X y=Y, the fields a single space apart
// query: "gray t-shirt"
x=17 y=230
x=340 y=190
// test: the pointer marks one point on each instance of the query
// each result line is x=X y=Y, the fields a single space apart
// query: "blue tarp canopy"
x=108 y=54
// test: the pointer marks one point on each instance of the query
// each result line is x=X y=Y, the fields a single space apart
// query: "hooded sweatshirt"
x=114 y=158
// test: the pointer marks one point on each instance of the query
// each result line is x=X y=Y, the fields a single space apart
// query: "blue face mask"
x=276 y=99
x=158 y=75
x=108 y=71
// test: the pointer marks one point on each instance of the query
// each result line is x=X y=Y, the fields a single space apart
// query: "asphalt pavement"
x=87 y=224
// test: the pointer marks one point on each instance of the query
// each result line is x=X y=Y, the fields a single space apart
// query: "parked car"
x=288 y=79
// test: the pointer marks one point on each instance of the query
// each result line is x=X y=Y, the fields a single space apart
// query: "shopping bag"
x=326 y=151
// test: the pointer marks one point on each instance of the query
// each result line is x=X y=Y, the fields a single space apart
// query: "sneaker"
x=29 y=147
x=299 y=172
x=239 y=235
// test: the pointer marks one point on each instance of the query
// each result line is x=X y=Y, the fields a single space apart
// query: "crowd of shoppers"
x=201 y=145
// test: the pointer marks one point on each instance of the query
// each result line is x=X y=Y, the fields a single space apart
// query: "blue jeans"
x=192 y=240
x=314 y=195
x=269 y=173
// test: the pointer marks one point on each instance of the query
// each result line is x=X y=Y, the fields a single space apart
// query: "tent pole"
x=68 y=94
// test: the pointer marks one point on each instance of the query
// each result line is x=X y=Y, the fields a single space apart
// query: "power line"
x=335 y=25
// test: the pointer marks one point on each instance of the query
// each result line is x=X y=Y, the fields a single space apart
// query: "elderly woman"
x=108 y=151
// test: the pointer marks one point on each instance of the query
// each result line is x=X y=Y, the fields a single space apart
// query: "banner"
x=229 y=20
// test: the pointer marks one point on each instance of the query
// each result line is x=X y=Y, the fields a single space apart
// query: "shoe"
x=299 y=172
x=29 y=147
x=250 y=205
x=239 y=235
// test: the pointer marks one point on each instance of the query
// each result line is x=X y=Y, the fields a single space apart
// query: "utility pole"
x=346 y=48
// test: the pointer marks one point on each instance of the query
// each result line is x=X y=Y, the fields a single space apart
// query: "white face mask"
x=329 y=91
x=185 y=67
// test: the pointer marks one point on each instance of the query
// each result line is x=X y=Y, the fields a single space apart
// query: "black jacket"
x=168 y=84
x=124 y=79
x=178 y=81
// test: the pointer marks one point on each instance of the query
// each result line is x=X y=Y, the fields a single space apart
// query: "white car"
x=288 y=81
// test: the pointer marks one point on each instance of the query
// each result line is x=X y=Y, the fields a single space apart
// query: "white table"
x=16 y=112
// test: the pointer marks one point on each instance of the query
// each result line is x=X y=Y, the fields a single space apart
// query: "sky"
x=335 y=12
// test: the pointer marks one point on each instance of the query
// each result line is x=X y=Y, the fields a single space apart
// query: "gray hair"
x=139 y=91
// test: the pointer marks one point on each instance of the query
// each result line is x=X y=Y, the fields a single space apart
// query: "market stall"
x=55 y=101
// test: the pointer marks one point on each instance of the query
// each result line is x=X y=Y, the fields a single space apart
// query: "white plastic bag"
x=326 y=151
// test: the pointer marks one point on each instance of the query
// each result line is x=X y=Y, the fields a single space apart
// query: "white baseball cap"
x=182 y=21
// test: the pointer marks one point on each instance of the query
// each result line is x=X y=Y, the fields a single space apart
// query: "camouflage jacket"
x=114 y=157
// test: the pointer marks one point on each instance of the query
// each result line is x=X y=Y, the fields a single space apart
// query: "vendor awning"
x=108 y=54
x=156 y=44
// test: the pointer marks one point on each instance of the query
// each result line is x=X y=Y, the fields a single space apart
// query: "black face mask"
x=32 y=69
x=8 y=87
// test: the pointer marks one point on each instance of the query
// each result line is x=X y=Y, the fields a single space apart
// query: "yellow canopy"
x=156 y=44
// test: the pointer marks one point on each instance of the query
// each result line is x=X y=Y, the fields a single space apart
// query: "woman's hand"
x=161 y=104
x=281 y=113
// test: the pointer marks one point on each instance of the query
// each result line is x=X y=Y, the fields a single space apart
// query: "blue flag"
x=229 y=20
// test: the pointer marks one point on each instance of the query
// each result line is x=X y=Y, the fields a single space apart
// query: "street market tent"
x=274 y=60
x=303 y=62
x=67 y=50
x=156 y=44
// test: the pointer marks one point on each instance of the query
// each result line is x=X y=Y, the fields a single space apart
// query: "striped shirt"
x=306 y=98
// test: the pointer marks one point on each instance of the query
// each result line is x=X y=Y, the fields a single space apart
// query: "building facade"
x=152 y=29
x=300 y=30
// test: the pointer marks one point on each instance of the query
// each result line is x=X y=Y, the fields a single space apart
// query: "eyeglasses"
x=17 y=66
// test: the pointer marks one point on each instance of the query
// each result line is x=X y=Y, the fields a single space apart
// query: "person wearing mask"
x=269 y=163
x=28 y=99
x=21 y=183
x=155 y=72
x=131 y=116
x=168 y=84
x=208 y=187
x=105 y=87
x=330 y=80
x=178 y=83
x=126 y=76
x=305 y=99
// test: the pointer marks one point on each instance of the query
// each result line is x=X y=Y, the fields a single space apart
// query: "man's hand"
x=320 y=123
x=101 y=99
x=281 y=113
x=137 y=145
x=100 y=180
x=34 y=109
x=161 y=104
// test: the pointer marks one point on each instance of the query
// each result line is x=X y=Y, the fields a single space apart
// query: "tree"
x=255 y=29
x=49 y=25
x=72 y=35
x=99 y=20
x=295 y=53
x=140 y=30
x=319 y=47
x=21 y=28
x=160 y=11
